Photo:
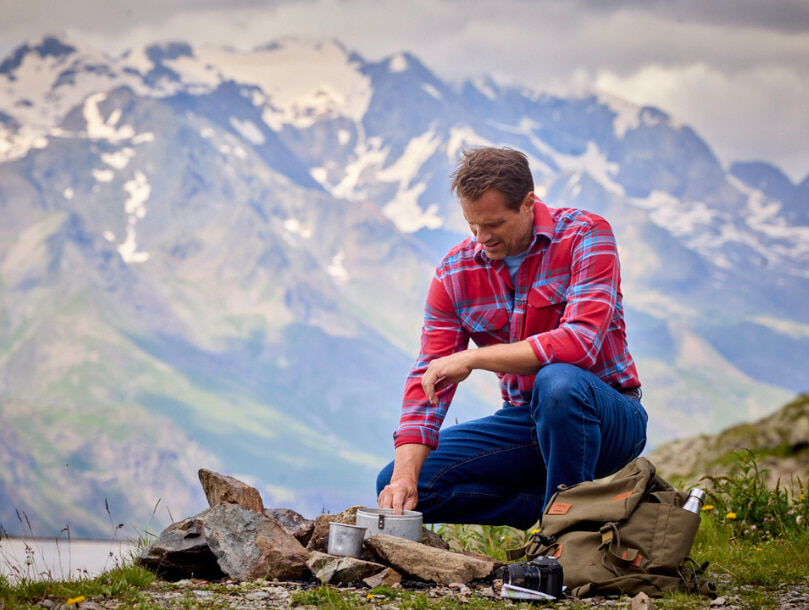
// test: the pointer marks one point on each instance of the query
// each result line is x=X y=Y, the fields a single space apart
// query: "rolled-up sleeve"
x=590 y=300
x=441 y=335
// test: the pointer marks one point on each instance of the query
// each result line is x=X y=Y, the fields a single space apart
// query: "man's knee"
x=557 y=381
x=557 y=391
x=384 y=478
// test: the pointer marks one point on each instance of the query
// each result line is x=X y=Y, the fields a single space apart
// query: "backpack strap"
x=537 y=545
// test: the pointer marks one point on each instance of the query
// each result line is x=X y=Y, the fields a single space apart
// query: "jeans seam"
x=447 y=469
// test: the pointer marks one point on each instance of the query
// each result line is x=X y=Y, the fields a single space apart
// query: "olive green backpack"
x=626 y=534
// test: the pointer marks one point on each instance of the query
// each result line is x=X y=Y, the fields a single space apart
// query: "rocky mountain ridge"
x=779 y=441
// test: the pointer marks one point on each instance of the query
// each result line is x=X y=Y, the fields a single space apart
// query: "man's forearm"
x=408 y=461
x=402 y=491
x=515 y=358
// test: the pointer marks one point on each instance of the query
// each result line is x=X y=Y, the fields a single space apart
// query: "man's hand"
x=402 y=491
x=399 y=495
x=443 y=372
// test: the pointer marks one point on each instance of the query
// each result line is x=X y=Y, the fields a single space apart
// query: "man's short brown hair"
x=503 y=169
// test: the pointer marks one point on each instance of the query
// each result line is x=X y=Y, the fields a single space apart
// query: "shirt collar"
x=543 y=227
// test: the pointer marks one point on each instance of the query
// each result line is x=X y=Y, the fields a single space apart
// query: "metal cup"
x=345 y=539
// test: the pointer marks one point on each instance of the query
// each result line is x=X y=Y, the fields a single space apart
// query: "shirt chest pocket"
x=486 y=326
x=545 y=307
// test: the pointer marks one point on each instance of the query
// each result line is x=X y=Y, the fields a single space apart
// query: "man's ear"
x=528 y=202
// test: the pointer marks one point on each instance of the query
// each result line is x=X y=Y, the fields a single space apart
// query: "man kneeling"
x=538 y=290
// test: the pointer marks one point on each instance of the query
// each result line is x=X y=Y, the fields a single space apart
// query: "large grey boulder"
x=250 y=545
x=341 y=570
x=182 y=551
x=295 y=523
x=220 y=488
x=320 y=535
x=429 y=563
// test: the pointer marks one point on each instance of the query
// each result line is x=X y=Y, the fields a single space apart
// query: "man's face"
x=501 y=230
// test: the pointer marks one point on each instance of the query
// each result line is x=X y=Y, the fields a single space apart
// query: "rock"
x=428 y=563
x=257 y=596
x=319 y=540
x=642 y=602
x=250 y=545
x=186 y=582
x=386 y=578
x=182 y=551
x=430 y=538
x=294 y=523
x=337 y=569
x=221 y=488
x=719 y=601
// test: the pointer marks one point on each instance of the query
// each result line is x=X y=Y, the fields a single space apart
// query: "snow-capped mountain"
x=216 y=258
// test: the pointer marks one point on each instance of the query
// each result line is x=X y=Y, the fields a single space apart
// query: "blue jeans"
x=504 y=468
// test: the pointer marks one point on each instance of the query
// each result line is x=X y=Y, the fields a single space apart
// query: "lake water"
x=43 y=559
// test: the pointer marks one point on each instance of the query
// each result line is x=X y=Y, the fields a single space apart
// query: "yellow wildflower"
x=708 y=507
x=730 y=515
x=369 y=597
x=75 y=600
x=534 y=532
x=758 y=548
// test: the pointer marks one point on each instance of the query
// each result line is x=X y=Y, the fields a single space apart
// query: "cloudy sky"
x=737 y=70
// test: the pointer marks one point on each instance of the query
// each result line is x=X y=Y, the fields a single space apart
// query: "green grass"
x=124 y=583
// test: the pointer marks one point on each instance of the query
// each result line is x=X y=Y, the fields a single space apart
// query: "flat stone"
x=337 y=569
x=220 y=488
x=250 y=545
x=386 y=578
x=319 y=541
x=181 y=552
x=428 y=563
x=257 y=596
x=295 y=523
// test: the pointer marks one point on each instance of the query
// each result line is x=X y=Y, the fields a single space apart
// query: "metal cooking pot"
x=383 y=521
x=345 y=539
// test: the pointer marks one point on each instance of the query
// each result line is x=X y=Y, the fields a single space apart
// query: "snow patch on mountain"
x=685 y=218
x=102 y=175
x=293 y=225
x=99 y=128
x=432 y=91
x=397 y=63
x=138 y=190
x=118 y=159
x=16 y=144
x=248 y=130
x=404 y=209
x=484 y=85
x=369 y=153
x=44 y=87
x=463 y=137
x=302 y=82
x=592 y=160
x=796 y=330
x=627 y=114
x=336 y=269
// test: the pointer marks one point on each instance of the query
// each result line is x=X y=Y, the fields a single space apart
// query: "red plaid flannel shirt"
x=566 y=303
